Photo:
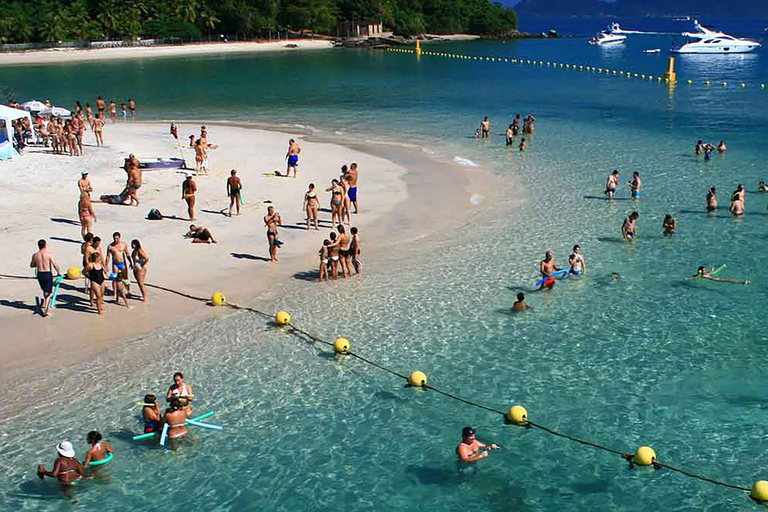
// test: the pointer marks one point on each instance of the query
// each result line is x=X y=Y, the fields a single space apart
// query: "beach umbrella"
x=55 y=111
x=33 y=106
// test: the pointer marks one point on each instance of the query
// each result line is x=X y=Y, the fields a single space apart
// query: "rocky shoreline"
x=397 y=41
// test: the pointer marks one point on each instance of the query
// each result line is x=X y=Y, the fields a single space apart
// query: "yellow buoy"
x=644 y=456
x=218 y=299
x=759 y=491
x=282 y=318
x=517 y=415
x=74 y=273
x=341 y=345
x=417 y=379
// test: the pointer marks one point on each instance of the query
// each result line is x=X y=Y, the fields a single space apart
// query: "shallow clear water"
x=648 y=359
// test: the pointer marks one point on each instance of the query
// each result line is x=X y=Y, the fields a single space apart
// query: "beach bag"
x=154 y=214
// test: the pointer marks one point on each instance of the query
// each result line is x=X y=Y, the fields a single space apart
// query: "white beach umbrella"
x=33 y=106
x=55 y=111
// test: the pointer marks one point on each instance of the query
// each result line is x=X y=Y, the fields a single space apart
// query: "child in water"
x=520 y=304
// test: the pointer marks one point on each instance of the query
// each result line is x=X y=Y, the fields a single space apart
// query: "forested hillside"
x=78 y=20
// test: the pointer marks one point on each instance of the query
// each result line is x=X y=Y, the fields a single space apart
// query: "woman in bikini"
x=176 y=418
x=140 y=260
x=94 y=271
x=346 y=207
x=188 y=190
x=98 y=130
x=345 y=254
x=311 y=205
x=86 y=213
x=98 y=450
x=66 y=468
x=336 y=201
x=182 y=392
x=71 y=132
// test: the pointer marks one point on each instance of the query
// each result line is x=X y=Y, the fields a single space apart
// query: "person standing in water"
x=722 y=148
x=98 y=451
x=176 y=419
x=711 y=199
x=66 y=468
x=669 y=225
x=509 y=135
x=150 y=412
x=292 y=156
x=546 y=268
x=468 y=449
x=234 y=186
x=629 y=227
x=516 y=125
x=43 y=262
x=520 y=304
x=182 y=392
x=485 y=128
x=611 y=184
x=577 y=262
x=635 y=184
x=523 y=145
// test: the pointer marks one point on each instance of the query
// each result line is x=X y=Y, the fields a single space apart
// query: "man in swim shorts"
x=611 y=183
x=293 y=157
x=468 y=449
x=485 y=128
x=118 y=253
x=576 y=261
x=134 y=184
x=547 y=267
x=42 y=262
x=200 y=235
x=234 y=186
x=351 y=177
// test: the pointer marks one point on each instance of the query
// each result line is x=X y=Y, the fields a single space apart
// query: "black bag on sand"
x=154 y=214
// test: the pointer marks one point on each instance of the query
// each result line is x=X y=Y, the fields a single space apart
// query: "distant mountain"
x=710 y=8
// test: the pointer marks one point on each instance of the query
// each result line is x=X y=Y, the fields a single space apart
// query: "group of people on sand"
x=341 y=250
x=179 y=397
x=513 y=130
x=343 y=197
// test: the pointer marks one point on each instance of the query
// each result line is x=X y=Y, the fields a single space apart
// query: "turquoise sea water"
x=648 y=359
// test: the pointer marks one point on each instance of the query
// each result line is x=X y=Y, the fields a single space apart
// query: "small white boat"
x=709 y=41
x=609 y=36
x=655 y=50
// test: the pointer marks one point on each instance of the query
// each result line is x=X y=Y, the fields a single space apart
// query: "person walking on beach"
x=546 y=267
x=292 y=156
x=468 y=449
x=140 y=260
x=95 y=273
x=84 y=184
x=352 y=175
x=635 y=184
x=273 y=219
x=86 y=213
x=188 y=191
x=311 y=206
x=356 y=251
x=175 y=132
x=629 y=228
x=234 y=186
x=200 y=157
x=611 y=184
x=134 y=183
x=485 y=128
x=43 y=261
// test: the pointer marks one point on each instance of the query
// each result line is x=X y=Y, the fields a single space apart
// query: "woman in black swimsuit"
x=95 y=272
x=311 y=205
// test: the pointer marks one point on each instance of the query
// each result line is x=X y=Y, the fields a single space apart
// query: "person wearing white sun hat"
x=66 y=467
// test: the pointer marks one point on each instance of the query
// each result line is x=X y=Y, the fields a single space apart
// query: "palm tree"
x=187 y=10
x=209 y=20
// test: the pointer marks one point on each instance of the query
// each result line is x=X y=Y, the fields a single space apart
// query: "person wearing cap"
x=469 y=447
x=84 y=184
x=293 y=158
x=66 y=468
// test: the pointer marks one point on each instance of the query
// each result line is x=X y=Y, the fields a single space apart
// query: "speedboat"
x=609 y=36
x=709 y=41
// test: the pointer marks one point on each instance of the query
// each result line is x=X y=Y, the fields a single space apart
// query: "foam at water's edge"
x=466 y=162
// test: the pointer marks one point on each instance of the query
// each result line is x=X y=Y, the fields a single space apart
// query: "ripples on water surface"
x=648 y=359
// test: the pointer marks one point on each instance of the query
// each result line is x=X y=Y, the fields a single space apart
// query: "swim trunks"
x=119 y=266
x=46 y=281
x=577 y=272
x=352 y=194
x=293 y=160
x=135 y=186
x=549 y=283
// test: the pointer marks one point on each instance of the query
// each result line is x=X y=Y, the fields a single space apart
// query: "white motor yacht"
x=609 y=36
x=709 y=41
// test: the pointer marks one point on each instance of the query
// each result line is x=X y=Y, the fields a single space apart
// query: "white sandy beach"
x=70 y=55
x=38 y=194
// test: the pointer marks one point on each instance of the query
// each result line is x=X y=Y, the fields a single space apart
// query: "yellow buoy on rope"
x=517 y=415
x=74 y=273
x=282 y=318
x=759 y=491
x=417 y=379
x=218 y=299
x=341 y=345
x=644 y=456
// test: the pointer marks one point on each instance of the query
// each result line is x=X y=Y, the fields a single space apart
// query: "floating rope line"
x=517 y=415
x=575 y=67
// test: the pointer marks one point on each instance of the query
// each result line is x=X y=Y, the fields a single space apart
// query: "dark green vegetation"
x=83 y=20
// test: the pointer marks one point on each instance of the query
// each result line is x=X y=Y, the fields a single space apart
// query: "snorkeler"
x=520 y=304
x=151 y=414
x=628 y=228
x=669 y=225
x=468 y=449
x=710 y=275
x=181 y=391
x=577 y=262
x=547 y=267
x=99 y=451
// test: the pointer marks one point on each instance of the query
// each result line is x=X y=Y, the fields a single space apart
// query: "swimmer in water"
x=722 y=148
x=151 y=414
x=737 y=201
x=635 y=184
x=762 y=187
x=547 y=267
x=711 y=200
x=703 y=273
x=520 y=304
x=176 y=420
x=611 y=183
x=182 y=392
x=699 y=147
x=66 y=468
x=669 y=225
x=523 y=145
x=468 y=449
x=629 y=227
x=98 y=450
x=577 y=262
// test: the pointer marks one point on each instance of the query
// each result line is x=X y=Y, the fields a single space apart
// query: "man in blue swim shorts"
x=351 y=177
x=293 y=157
x=43 y=262
x=118 y=253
